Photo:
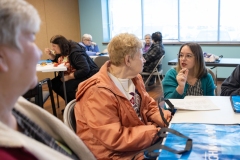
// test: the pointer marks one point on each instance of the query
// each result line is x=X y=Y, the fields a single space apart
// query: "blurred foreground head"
x=16 y=16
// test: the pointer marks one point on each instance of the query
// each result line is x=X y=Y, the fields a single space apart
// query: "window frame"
x=166 y=41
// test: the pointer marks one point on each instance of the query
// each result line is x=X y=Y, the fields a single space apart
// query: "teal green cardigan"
x=170 y=84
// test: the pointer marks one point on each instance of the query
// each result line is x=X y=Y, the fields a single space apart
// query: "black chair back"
x=39 y=97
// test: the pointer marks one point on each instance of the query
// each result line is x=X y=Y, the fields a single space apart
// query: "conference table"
x=50 y=68
x=224 y=62
x=214 y=133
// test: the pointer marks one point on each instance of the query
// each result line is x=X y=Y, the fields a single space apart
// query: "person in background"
x=190 y=76
x=153 y=55
x=79 y=65
x=115 y=116
x=26 y=130
x=91 y=47
x=231 y=85
x=147 y=43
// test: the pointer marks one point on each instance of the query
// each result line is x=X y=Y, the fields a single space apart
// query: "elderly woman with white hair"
x=26 y=130
x=90 y=46
x=115 y=116
x=147 y=43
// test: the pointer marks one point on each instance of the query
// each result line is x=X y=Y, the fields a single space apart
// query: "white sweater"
x=51 y=125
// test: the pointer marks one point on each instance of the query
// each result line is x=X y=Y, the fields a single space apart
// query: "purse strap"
x=172 y=110
x=151 y=152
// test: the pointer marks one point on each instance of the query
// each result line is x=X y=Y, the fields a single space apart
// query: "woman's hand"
x=167 y=115
x=93 y=43
x=182 y=79
x=49 y=53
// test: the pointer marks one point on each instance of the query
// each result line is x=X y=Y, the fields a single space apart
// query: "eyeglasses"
x=88 y=40
x=188 y=56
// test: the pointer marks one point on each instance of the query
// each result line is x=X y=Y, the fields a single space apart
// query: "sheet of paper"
x=196 y=103
x=224 y=115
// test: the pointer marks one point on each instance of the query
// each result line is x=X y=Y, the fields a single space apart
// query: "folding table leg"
x=64 y=89
x=56 y=93
x=58 y=101
x=51 y=97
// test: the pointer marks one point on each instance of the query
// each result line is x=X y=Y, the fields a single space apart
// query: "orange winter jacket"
x=107 y=122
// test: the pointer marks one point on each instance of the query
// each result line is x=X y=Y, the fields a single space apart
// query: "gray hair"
x=17 y=16
x=148 y=35
x=86 y=36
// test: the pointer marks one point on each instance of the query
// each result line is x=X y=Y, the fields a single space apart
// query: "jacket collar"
x=102 y=80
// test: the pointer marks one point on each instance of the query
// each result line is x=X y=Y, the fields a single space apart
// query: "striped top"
x=195 y=90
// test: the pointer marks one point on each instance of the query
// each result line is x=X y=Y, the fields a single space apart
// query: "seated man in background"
x=115 y=116
x=26 y=130
x=91 y=47
x=231 y=85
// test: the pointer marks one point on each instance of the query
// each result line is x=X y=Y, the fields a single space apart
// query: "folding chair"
x=69 y=116
x=100 y=60
x=155 y=72
x=214 y=79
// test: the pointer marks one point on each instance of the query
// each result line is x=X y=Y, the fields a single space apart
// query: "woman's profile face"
x=137 y=62
x=56 y=48
x=23 y=65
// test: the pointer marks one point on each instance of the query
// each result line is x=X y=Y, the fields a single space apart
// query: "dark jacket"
x=84 y=65
x=152 y=56
x=231 y=85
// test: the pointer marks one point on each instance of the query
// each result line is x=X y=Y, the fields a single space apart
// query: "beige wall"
x=58 y=17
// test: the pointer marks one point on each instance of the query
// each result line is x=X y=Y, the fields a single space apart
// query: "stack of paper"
x=193 y=103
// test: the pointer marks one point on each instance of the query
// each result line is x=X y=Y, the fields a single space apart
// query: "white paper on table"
x=224 y=115
x=196 y=103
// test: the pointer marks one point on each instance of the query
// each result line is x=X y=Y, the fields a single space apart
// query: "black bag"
x=152 y=152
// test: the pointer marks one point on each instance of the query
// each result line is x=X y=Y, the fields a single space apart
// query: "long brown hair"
x=199 y=67
x=63 y=44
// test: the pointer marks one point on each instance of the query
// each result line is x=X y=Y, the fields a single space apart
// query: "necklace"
x=127 y=91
